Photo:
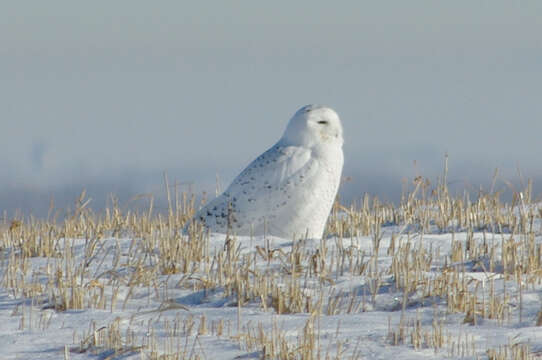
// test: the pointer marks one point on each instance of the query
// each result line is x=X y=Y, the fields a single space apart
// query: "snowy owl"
x=289 y=189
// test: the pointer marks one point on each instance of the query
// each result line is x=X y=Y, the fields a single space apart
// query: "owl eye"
x=323 y=122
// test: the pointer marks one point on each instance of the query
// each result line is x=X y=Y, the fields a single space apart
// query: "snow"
x=165 y=317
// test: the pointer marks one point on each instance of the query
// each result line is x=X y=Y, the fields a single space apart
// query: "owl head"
x=314 y=125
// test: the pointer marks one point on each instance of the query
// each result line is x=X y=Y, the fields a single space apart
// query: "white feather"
x=289 y=189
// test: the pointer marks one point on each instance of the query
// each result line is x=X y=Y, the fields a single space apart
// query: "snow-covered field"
x=151 y=293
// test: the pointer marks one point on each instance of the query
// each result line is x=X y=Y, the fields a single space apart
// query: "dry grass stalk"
x=296 y=279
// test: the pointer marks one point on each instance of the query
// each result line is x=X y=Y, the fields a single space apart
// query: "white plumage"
x=289 y=189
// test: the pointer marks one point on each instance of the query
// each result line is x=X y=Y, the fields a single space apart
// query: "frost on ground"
x=123 y=287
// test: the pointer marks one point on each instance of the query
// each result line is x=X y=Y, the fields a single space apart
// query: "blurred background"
x=106 y=96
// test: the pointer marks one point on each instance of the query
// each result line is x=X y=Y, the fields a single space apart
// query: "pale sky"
x=108 y=95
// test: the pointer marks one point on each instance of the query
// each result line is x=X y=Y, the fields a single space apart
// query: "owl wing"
x=258 y=190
